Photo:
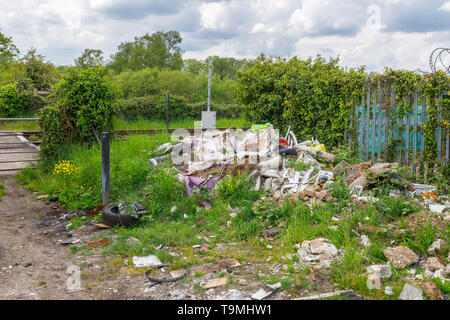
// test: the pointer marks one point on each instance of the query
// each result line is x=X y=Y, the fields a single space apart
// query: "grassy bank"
x=176 y=222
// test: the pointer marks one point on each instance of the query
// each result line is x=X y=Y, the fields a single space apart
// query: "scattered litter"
x=43 y=196
x=325 y=295
x=69 y=241
x=154 y=281
x=149 y=261
x=232 y=294
x=266 y=291
x=388 y=290
x=437 y=208
x=217 y=282
x=101 y=225
x=98 y=243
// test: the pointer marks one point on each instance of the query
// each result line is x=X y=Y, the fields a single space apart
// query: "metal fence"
x=375 y=129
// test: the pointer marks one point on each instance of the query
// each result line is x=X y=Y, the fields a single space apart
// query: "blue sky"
x=378 y=34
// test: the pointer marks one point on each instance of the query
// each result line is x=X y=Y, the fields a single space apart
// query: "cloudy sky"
x=375 y=33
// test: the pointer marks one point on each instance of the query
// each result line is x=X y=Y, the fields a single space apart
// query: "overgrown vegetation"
x=81 y=107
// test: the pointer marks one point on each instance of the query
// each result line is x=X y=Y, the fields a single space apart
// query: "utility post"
x=209 y=117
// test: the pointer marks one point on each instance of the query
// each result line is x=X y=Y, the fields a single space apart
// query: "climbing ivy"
x=316 y=98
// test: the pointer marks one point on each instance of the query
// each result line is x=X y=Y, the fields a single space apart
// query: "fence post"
x=167 y=112
x=439 y=133
x=367 y=124
x=380 y=122
x=374 y=123
x=422 y=129
x=106 y=190
x=361 y=130
x=416 y=102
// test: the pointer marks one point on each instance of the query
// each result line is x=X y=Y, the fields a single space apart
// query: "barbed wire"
x=437 y=60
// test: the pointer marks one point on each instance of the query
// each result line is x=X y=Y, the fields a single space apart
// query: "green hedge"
x=154 y=107
x=14 y=102
x=311 y=96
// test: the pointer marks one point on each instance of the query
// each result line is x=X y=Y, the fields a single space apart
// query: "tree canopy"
x=160 y=49
x=90 y=57
x=7 y=49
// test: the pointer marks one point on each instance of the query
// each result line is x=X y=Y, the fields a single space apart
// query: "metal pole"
x=167 y=111
x=439 y=133
x=374 y=122
x=416 y=104
x=209 y=89
x=106 y=190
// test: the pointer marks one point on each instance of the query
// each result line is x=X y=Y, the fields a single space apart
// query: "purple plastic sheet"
x=196 y=182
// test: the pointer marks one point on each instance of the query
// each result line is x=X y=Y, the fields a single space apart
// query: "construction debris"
x=410 y=293
x=266 y=291
x=149 y=261
x=217 y=282
x=401 y=256
x=317 y=251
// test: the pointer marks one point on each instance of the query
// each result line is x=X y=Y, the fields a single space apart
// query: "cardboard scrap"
x=217 y=282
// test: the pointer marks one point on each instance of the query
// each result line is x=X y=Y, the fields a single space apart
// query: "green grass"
x=2 y=190
x=176 y=222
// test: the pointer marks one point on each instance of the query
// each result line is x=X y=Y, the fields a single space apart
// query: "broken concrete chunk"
x=432 y=291
x=433 y=264
x=373 y=281
x=382 y=270
x=340 y=167
x=401 y=256
x=317 y=251
x=379 y=168
x=319 y=246
x=410 y=293
x=437 y=246
x=365 y=242
x=360 y=182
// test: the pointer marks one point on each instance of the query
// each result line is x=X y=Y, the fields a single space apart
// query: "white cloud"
x=375 y=33
x=445 y=6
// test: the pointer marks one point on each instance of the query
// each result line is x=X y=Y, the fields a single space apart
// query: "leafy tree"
x=160 y=49
x=139 y=83
x=7 y=49
x=11 y=102
x=194 y=66
x=31 y=72
x=83 y=102
x=90 y=57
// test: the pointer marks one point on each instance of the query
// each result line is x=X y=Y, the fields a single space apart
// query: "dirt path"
x=34 y=265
